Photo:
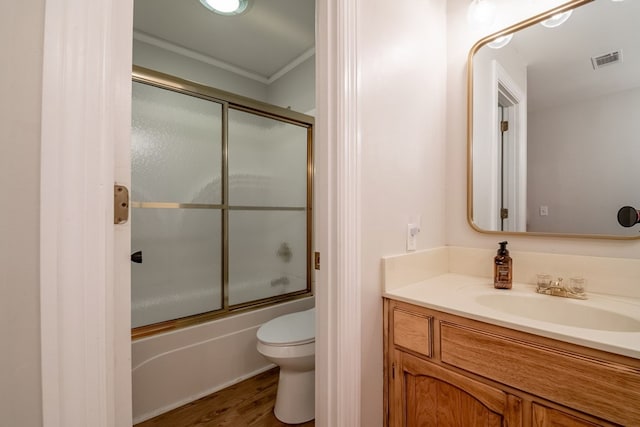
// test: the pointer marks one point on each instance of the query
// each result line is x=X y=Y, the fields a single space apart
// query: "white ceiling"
x=558 y=59
x=267 y=38
x=273 y=34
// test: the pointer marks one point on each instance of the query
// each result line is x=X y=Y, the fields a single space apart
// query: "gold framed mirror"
x=553 y=123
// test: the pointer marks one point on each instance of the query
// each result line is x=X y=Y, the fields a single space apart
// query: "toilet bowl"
x=289 y=342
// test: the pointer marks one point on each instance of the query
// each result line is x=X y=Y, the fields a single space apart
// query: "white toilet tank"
x=290 y=329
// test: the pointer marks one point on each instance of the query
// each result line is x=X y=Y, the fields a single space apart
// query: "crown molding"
x=293 y=64
x=172 y=47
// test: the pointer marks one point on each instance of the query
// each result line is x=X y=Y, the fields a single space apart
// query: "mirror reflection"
x=555 y=123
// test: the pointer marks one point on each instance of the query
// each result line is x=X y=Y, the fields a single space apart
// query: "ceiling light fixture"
x=481 y=13
x=557 y=19
x=500 y=42
x=226 y=7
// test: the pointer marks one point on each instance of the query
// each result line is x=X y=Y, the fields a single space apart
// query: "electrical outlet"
x=412 y=236
x=544 y=210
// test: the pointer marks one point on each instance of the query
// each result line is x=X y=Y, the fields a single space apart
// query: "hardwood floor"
x=246 y=404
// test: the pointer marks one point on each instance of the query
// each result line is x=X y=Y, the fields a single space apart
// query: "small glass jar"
x=543 y=281
x=577 y=285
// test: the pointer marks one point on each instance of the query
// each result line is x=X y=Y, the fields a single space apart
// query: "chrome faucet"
x=558 y=289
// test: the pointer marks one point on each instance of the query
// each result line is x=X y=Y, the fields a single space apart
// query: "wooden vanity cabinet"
x=444 y=370
x=433 y=396
x=548 y=417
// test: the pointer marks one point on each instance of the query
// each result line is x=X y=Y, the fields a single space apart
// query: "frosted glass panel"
x=175 y=147
x=180 y=273
x=267 y=161
x=176 y=158
x=267 y=254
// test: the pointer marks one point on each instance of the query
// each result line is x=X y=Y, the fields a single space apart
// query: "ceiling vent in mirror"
x=609 y=58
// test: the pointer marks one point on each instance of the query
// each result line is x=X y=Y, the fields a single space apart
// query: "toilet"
x=289 y=342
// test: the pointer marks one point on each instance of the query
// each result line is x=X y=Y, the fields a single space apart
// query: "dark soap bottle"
x=502 y=268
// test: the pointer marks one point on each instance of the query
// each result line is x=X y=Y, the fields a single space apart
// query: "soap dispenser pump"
x=502 y=268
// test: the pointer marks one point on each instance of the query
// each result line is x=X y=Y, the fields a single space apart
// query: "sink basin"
x=561 y=311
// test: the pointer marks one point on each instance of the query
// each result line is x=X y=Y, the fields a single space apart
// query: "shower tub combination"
x=182 y=365
x=221 y=224
x=221 y=201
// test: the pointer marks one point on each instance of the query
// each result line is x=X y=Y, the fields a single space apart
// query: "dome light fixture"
x=500 y=42
x=226 y=7
x=557 y=19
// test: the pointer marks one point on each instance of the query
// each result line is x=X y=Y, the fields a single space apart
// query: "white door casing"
x=84 y=258
x=85 y=289
x=337 y=217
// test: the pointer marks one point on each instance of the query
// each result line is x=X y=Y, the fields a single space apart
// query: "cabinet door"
x=434 y=396
x=547 y=417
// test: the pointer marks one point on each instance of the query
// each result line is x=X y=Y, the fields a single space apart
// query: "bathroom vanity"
x=459 y=352
x=447 y=369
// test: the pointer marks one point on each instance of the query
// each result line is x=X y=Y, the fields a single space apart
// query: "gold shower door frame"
x=230 y=101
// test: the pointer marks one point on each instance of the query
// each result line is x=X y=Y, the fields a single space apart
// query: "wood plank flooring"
x=246 y=404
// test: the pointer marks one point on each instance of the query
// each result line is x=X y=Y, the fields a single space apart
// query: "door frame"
x=84 y=271
x=337 y=218
x=502 y=82
x=84 y=260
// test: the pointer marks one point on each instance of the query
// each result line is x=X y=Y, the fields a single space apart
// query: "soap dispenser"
x=502 y=268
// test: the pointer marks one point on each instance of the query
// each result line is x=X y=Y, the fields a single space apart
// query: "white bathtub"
x=177 y=367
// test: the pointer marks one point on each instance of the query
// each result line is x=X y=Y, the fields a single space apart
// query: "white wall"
x=461 y=38
x=165 y=61
x=21 y=44
x=292 y=89
x=571 y=150
x=402 y=135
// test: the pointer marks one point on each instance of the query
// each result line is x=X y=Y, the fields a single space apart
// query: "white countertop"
x=459 y=294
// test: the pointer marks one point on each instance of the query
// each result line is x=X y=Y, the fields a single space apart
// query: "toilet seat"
x=289 y=330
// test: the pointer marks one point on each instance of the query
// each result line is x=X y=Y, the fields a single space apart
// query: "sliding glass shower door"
x=267 y=207
x=221 y=204
x=176 y=164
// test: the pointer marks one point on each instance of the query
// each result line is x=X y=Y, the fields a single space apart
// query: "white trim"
x=86 y=73
x=291 y=65
x=172 y=47
x=348 y=221
x=338 y=295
